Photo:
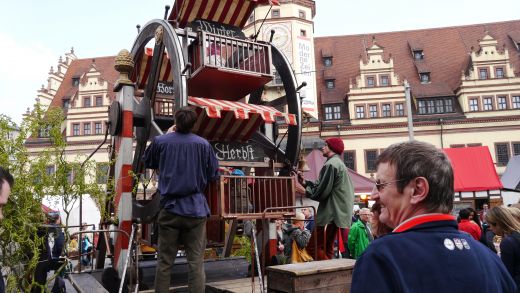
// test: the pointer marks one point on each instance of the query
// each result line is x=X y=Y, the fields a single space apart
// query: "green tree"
x=45 y=172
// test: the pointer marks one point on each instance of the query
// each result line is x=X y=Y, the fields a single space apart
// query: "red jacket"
x=471 y=228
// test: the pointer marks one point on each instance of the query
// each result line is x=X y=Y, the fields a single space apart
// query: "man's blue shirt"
x=186 y=163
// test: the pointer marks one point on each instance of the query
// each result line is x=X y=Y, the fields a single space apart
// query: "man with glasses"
x=425 y=252
x=335 y=193
x=360 y=234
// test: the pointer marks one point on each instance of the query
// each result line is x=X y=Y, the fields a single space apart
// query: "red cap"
x=335 y=144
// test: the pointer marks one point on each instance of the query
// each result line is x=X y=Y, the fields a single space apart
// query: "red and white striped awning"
x=144 y=66
x=223 y=120
x=232 y=12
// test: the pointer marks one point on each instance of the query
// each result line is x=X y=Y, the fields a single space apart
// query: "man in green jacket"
x=360 y=234
x=335 y=193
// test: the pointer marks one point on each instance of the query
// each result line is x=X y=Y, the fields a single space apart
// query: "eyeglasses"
x=380 y=185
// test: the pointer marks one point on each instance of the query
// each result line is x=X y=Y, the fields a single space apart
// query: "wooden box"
x=318 y=276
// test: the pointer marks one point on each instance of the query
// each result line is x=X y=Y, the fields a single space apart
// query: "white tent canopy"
x=91 y=214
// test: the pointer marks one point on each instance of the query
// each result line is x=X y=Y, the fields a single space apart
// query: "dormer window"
x=370 y=81
x=425 y=77
x=418 y=54
x=483 y=73
x=75 y=81
x=499 y=72
x=327 y=61
x=384 y=80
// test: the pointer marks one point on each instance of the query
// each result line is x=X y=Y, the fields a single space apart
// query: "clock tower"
x=293 y=25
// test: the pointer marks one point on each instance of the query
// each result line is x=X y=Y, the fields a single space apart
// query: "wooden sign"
x=165 y=88
x=217 y=28
x=239 y=152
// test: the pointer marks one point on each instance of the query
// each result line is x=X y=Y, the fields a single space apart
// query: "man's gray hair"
x=420 y=159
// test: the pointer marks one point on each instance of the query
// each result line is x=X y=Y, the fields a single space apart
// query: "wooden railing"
x=230 y=53
x=164 y=107
x=246 y=197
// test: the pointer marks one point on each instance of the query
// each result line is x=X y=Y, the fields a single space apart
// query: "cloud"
x=24 y=68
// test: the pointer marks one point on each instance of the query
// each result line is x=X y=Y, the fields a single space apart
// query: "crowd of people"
x=407 y=242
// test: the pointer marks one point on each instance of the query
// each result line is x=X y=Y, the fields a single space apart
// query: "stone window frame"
x=495 y=72
x=366 y=152
x=381 y=80
x=96 y=101
x=505 y=97
x=95 y=128
x=477 y=100
x=330 y=84
x=396 y=111
x=84 y=129
x=483 y=69
x=373 y=79
x=360 y=113
x=333 y=114
x=515 y=104
x=370 y=110
x=484 y=105
x=85 y=99
x=74 y=131
x=345 y=155
x=498 y=159
x=388 y=111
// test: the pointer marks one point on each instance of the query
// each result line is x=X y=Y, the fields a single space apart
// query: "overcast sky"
x=34 y=33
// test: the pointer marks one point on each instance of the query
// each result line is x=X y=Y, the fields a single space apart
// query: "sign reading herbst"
x=238 y=152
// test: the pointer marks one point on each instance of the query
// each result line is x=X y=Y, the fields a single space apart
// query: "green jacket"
x=335 y=193
x=357 y=239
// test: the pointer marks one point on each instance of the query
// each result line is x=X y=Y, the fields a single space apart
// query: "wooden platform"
x=333 y=275
x=233 y=286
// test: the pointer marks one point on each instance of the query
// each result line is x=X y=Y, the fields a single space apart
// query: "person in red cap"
x=335 y=193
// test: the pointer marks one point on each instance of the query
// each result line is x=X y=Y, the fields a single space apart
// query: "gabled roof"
x=473 y=169
x=445 y=50
x=77 y=68
x=511 y=177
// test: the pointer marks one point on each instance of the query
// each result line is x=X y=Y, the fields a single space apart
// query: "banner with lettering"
x=305 y=53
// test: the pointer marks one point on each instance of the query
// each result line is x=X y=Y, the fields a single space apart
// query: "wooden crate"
x=318 y=276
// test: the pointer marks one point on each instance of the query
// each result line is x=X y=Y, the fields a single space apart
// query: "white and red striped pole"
x=124 y=88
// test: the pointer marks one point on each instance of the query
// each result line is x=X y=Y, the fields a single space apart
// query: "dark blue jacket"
x=186 y=164
x=429 y=254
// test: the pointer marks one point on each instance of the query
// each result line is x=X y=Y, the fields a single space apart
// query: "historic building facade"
x=83 y=89
x=464 y=87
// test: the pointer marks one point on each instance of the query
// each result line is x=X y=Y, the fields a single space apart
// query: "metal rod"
x=126 y=260
x=260 y=279
x=409 y=109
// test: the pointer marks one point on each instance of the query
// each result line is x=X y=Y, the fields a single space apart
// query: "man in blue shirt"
x=186 y=164
x=425 y=252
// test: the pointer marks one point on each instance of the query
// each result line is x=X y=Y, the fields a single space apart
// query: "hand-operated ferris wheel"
x=198 y=56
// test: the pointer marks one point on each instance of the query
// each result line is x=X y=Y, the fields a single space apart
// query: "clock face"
x=281 y=36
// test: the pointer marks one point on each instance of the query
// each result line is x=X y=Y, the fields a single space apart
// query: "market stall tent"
x=475 y=175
